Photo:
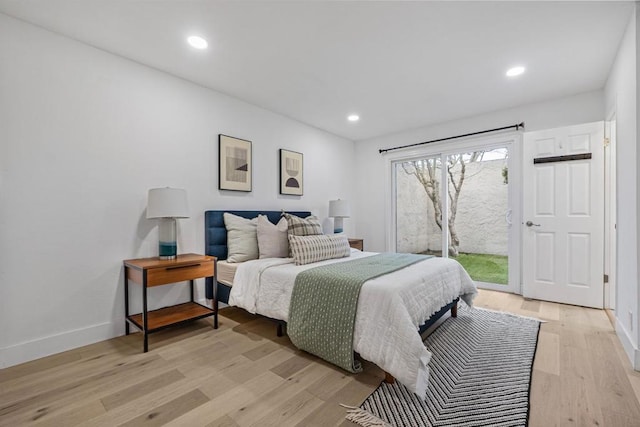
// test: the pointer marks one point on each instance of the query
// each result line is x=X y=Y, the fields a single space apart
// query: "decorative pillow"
x=308 y=226
x=308 y=249
x=272 y=238
x=242 y=239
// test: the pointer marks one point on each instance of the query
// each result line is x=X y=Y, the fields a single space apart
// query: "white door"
x=563 y=215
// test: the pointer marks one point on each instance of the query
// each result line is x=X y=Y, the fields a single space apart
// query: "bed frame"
x=216 y=245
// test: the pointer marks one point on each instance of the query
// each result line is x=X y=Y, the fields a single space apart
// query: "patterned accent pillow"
x=308 y=226
x=308 y=249
x=242 y=239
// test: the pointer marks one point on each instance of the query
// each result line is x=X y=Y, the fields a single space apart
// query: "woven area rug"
x=480 y=376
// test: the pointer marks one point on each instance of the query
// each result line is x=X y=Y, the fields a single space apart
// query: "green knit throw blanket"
x=324 y=301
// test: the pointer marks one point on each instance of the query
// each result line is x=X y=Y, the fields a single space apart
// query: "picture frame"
x=291 y=173
x=235 y=164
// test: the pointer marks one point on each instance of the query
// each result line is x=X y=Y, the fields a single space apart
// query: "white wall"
x=621 y=99
x=582 y=108
x=84 y=134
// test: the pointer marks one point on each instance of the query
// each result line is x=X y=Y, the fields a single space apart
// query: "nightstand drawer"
x=179 y=273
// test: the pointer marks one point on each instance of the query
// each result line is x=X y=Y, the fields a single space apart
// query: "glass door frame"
x=512 y=141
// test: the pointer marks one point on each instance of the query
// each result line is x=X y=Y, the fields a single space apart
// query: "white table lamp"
x=167 y=204
x=338 y=209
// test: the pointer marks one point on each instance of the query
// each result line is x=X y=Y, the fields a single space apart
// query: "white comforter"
x=390 y=309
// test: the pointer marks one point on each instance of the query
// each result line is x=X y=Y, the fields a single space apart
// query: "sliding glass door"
x=457 y=204
x=418 y=207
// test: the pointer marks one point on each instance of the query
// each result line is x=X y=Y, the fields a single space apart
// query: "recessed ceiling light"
x=198 y=42
x=353 y=118
x=515 y=71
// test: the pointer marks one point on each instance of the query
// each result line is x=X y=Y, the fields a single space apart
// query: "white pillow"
x=272 y=238
x=242 y=239
x=308 y=249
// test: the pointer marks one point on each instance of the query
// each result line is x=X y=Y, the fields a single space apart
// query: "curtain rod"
x=516 y=126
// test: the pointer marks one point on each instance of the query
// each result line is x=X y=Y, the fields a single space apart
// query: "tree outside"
x=425 y=170
x=461 y=169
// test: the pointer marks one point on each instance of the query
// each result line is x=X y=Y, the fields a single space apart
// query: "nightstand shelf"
x=173 y=315
x=150 y=272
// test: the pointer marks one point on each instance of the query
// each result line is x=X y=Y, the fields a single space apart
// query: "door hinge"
x=606 y=278
x=606 y=142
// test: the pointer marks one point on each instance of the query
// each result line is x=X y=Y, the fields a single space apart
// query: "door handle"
x=507 y=217
x=530 y=224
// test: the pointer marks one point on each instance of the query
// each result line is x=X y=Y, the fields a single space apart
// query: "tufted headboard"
x=215 y=233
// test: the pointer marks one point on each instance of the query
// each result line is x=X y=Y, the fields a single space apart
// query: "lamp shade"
x=339 y=209
x=167 y=203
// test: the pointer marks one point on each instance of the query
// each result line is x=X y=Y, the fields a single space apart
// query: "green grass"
x=485 y=268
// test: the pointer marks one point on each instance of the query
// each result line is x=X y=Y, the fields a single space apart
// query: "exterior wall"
x=416 y=229
x=480 y=220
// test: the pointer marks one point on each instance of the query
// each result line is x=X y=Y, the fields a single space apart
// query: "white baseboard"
x=629 y=347
x=35 y=349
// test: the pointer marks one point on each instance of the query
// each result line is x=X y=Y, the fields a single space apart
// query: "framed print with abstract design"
x=291 y=179
x=234 y=172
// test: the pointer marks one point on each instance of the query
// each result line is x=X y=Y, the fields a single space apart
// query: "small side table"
x=357 y=244
x=156 y=272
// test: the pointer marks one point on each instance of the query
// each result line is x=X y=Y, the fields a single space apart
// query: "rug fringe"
x=364 y=418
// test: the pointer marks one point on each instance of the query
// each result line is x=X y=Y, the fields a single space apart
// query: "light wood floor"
x=242 y=374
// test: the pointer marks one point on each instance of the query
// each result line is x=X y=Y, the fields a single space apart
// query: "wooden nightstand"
x=356 y=244
x=156 y=272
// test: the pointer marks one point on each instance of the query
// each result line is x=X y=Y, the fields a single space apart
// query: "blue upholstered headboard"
x=215 y=233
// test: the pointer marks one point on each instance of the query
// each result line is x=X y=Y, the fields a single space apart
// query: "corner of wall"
x=633 y=353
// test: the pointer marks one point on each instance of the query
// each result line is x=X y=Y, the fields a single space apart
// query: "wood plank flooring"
x=243 y=374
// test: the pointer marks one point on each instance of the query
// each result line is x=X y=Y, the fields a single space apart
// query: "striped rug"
x=480 y=376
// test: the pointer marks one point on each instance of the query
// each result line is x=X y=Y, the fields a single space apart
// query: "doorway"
x=563 y=213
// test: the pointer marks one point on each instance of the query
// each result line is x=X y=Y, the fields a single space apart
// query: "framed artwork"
x=234 y=171
x=291 y=173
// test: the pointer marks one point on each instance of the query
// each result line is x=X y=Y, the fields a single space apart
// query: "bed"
x=392 y=311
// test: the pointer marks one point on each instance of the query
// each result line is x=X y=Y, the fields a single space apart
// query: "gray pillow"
x=242 y=239
x=272 y=238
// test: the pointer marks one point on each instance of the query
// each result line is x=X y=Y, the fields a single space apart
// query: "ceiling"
x=399 y=65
